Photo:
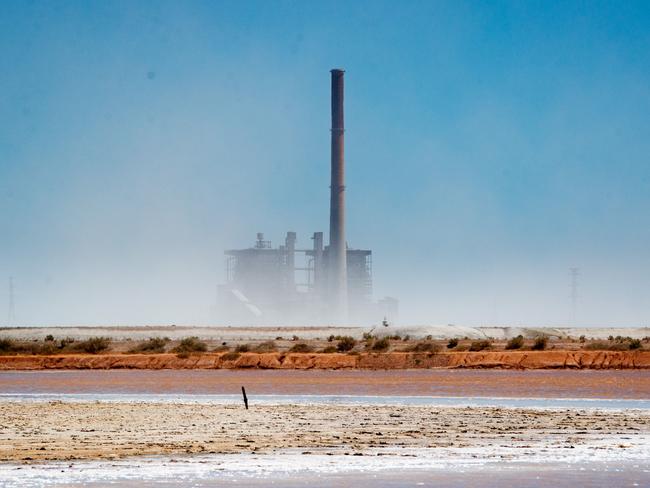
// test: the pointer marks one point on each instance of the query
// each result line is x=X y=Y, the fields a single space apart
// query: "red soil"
x=393 y=360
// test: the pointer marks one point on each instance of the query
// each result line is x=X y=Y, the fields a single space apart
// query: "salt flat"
x=38 y=432
x=126 y=332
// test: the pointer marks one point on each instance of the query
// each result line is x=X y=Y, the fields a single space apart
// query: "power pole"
x=574 y=273
x=11 y=316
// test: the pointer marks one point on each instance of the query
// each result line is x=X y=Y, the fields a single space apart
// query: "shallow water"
x=506 y=402
x=567 y=384
x=316 y=470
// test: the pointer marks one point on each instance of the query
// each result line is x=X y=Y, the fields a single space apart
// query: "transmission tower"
x=574 y=273
x=11 y=316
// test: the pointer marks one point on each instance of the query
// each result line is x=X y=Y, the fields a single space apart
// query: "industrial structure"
x=319 y=284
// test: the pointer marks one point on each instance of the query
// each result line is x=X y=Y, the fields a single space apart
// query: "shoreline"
x=520 y=360
x=289 y=469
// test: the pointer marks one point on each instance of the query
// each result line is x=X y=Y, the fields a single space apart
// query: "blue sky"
x=490 y=147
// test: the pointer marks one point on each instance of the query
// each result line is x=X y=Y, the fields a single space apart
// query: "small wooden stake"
x=243 y=391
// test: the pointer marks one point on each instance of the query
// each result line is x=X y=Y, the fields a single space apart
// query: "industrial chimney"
x=337 y=254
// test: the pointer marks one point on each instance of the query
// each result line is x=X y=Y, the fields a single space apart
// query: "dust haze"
x=127 y=169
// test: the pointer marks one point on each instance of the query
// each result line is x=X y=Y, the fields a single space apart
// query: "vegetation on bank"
x=346 y=344
x=333 y=344
x=267 y=346
x=480 y=345
x=155 y=345
x=93 y=345
x=540 y=343
x=301 y=347
x=190 y=345
x=424 y=346
x=51 y=346
x=515 y=343
x=380 y=345
x=615 y=344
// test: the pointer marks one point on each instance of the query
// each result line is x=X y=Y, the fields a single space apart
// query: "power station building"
x=318 y=284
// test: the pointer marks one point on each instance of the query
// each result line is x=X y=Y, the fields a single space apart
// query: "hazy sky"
x=490 y=147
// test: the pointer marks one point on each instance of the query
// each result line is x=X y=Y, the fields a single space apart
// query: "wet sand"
x=608 y=384
x=37 y=432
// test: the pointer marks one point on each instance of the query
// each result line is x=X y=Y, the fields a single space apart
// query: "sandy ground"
x=35 y=432
x=270 y=333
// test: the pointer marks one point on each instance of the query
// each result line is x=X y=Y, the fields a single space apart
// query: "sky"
x=490 y=147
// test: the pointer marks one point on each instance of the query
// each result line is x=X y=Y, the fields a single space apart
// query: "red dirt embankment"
x=392 y=360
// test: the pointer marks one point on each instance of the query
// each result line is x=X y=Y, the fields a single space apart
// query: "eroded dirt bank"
x=393 y=360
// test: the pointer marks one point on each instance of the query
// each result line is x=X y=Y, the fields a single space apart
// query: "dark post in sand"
x=243 y=392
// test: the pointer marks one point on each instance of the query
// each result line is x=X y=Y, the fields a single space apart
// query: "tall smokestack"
x=337 y=275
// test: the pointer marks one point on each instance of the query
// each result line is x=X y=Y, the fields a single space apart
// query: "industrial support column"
x=337 y=255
